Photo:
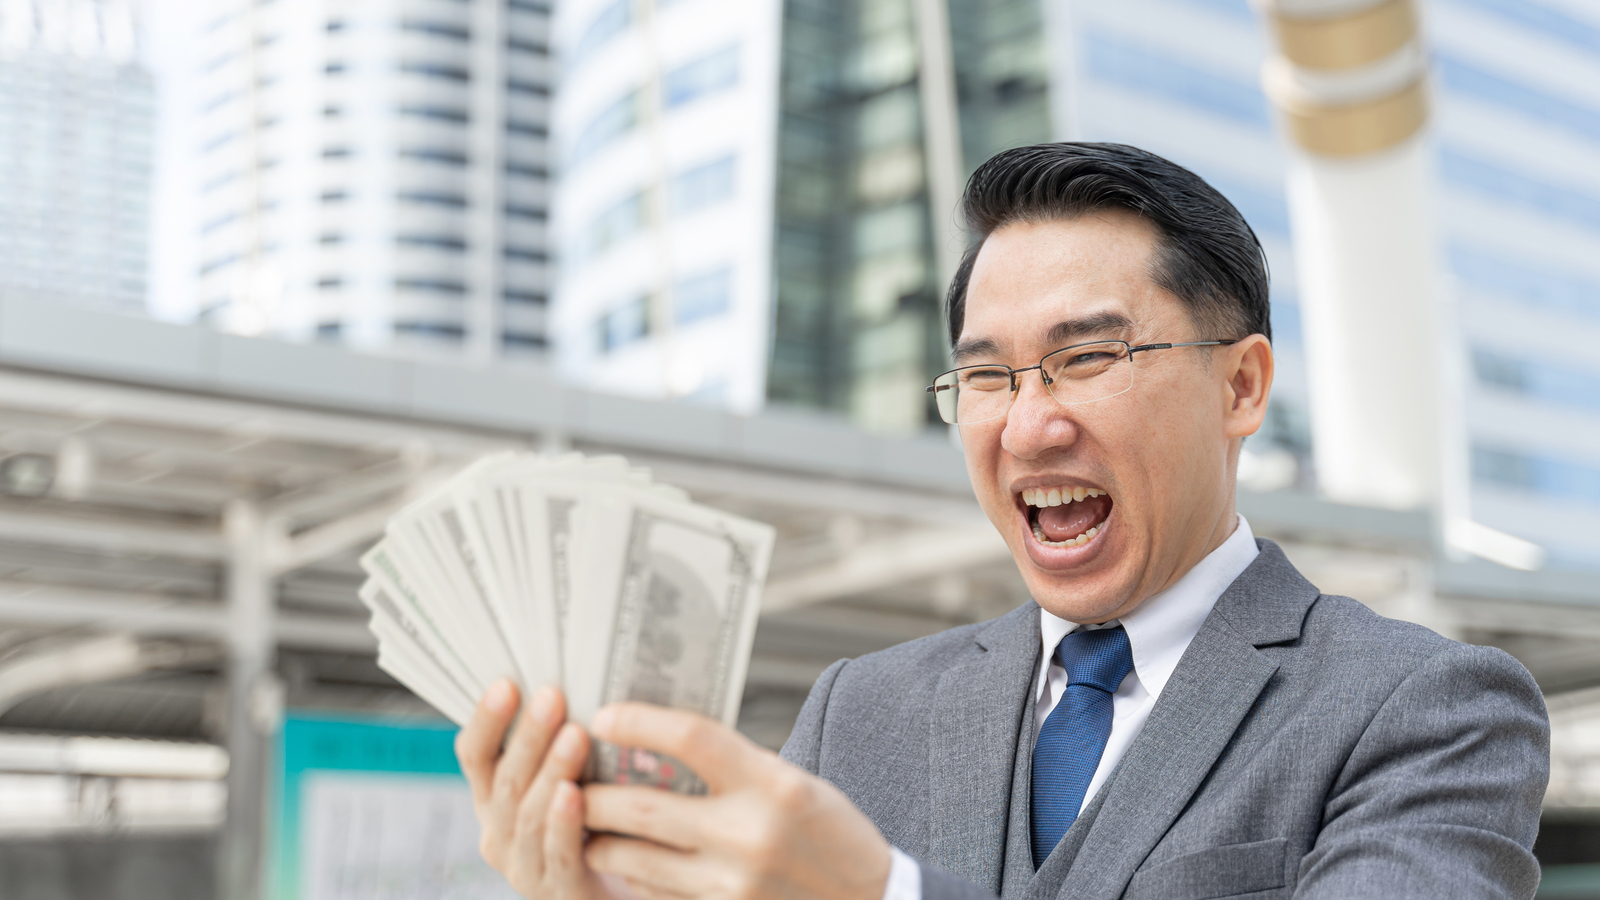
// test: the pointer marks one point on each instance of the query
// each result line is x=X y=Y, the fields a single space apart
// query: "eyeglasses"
x=1081 y=373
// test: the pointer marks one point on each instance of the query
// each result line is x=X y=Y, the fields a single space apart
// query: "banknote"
x=576 y=571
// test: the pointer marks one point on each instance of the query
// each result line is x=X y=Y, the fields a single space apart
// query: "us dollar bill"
x=685 y=610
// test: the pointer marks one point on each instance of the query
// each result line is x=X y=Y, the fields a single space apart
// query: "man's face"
x=1159 y=453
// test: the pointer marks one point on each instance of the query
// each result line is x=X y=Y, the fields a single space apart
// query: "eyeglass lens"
x=1081 y=374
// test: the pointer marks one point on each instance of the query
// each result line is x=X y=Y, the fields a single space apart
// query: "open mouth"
x=1066 y=515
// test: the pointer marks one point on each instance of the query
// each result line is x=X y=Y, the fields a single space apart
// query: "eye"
x=986 y=379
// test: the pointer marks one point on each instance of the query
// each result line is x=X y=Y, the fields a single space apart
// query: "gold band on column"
x=1340 y=42
x=1356 y=128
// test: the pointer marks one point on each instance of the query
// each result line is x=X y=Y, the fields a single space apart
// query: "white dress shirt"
x=1159 y=631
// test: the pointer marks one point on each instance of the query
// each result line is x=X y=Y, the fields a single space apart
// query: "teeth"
x=1079 y=541
x=1042 y=497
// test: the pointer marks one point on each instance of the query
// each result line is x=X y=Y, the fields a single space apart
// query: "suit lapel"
x=977 y=714
x=1212 y=690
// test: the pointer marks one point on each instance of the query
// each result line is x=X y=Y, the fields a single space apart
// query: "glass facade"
x=858 y=327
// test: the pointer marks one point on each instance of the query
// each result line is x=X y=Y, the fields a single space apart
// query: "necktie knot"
x=1100 y=658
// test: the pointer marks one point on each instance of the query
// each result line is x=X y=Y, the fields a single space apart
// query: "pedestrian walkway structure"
x=181 y=512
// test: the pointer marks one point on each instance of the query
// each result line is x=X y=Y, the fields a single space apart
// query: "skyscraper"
x=376 y=173
x=665 y=127
x=76 y=126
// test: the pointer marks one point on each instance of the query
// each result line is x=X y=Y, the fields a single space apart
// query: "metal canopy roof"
x=151 y=473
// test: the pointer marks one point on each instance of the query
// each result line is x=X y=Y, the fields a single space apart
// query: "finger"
x=564 y=762
x=650 y=869
x=525 y=752
x=565 y=868
x=723 y=758
x=478 y=744
x=669 y=819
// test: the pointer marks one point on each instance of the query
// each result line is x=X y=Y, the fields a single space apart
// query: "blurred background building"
x=375 y=174
x=740 y=218
x=77 y=125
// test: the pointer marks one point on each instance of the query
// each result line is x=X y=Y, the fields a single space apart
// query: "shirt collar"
x=1160 y=629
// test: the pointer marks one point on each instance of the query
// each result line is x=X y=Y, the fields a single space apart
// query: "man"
x=1179 y=714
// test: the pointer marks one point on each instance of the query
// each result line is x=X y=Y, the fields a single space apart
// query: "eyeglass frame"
x=1016 y=386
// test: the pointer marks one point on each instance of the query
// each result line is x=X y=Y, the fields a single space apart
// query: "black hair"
x=1208 y=256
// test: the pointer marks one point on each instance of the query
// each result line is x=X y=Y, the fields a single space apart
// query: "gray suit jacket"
x=1305 y=747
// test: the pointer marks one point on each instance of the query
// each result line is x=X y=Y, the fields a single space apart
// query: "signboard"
x=375 y=809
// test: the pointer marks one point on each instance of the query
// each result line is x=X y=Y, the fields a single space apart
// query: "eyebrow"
x=1098 y=324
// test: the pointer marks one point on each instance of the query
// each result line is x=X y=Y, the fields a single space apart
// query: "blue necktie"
x=1074 y=736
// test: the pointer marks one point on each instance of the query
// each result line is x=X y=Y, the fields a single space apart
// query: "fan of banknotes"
x=575 y=571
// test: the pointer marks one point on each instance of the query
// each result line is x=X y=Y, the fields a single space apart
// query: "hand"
x=767 y=829
x=526 y=797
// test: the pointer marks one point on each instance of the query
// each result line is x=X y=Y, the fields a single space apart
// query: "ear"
x=1247 y=370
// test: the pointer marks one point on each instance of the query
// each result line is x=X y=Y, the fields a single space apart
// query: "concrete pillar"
x=1349 y=79
x=254 y=699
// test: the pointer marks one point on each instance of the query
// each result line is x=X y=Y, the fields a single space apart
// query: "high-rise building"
x=665 y=127
x=851 y=243
x=837 y=248
x=376 y=173
x=1517 y=84
x=76 y=129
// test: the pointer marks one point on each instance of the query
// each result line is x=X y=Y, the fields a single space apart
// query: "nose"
x=1036 y=423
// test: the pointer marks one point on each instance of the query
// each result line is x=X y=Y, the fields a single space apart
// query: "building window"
x=616 y=224
x=526 y=129
x=220 y=221
x=434 y=198
x=533 y=213
x=703 y=76
x=437 y=29
x=335 y=152
x=529 y=6
x=702 y=186
x=436 y=113
x=330 y=283
x=330 y=331
x=448 y=242
x=1537 y=378
x=448 y=331
x=432 y=285
x=1483 y=271
x=1555 y=478
x=526 y=254
x=334 y=68
x=527 y=171
x=334 y=196
x=445 y=157
x=534 y=298
x=612 y=122
x=332 y=237
x=518 y=45
x=703 y=296
x=519 y=341
x=221 y=262
x=436 y=70
x=517 y=86
x=612 y=21
x=624 y=325
x=1151 y=72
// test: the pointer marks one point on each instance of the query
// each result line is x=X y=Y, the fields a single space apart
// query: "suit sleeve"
x=804 y=746
x=1441 y=795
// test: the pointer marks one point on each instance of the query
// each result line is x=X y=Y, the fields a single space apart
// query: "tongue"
x=1070 y=520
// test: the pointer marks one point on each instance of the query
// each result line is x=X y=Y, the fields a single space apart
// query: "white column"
x=253 y=697
x=1349 y=79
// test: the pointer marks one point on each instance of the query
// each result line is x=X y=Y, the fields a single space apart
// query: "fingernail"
x=603 y=721
x=568 y=741
x=544 y=704
x=499 y=696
